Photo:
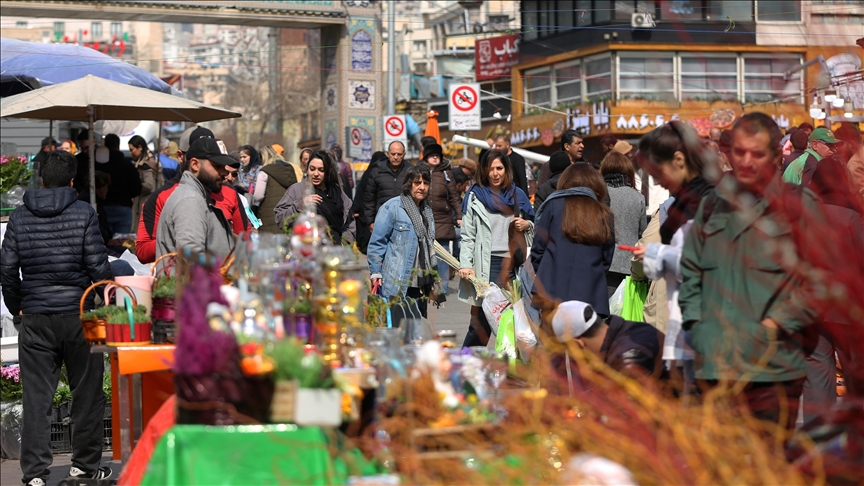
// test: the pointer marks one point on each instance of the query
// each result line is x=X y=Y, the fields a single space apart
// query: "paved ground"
x=453 y=315
x=10 y=471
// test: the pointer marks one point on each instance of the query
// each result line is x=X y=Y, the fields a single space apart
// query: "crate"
x=61 y=438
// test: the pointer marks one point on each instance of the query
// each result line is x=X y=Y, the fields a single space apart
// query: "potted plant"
x=298 y=316
x=305 y=392
x=93 y=324
x=14 y=171
x=62 y=396
x=120 y=332
x=164 y=308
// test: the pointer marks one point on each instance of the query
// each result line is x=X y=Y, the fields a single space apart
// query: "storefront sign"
x=494 y=57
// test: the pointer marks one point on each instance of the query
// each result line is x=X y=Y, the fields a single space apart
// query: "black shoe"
x=103 y=472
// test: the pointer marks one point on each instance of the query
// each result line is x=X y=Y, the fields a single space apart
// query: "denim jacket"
x=392 y=248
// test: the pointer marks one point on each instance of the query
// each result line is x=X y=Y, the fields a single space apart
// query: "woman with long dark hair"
x=149 y=171
x=250 y=165
x=321 y=188
x=575 y=241
x=628 y=207
x=489 y=208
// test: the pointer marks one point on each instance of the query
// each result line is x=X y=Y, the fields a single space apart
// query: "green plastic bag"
x=634 y=300
x=505 y=339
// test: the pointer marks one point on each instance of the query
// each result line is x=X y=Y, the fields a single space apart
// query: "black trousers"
x=45 y=342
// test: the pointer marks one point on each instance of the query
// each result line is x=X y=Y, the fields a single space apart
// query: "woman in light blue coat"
x=400 y=249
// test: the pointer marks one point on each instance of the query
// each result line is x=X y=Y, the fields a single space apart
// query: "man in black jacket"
x=125 y=185
x=384 y=182
x=520 y=177
x=632 y=348
x=54 y=241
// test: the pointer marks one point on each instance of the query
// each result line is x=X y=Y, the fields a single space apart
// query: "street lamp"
x=816 y=107
x=830 y=95
x=838 y=102
x=847 y=107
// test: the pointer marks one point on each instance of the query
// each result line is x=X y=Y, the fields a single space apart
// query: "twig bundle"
x=480 y=286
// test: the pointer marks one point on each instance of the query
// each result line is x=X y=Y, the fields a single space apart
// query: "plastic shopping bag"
x=616 y=302
x=505 y=338
x=635 y=294
x=495 y=302
x=524 y=327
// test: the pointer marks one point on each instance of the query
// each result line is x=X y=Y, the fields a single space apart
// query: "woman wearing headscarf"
x=575 y=241
x=149 y=171
x=250 y=165
x=628 y=206
x=325 y=193
x=401 y=246
x=363 y=232
x=489 y=208
x=446 y=204
x=274 y=178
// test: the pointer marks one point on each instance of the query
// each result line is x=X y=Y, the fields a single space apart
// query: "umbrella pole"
x=91 y=152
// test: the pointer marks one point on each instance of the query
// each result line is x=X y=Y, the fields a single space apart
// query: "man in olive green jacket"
x=744 y=296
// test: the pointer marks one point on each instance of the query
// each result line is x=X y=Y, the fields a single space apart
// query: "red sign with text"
x=494 y=57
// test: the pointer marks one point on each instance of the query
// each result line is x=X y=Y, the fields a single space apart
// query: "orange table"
x=140 y=382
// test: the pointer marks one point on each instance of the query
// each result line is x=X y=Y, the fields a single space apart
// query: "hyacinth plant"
x=10 y=383
x=14 y=171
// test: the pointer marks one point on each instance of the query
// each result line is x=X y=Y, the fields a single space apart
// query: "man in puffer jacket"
x=54 y=241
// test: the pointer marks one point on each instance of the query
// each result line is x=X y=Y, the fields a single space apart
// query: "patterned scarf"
x=617 y=180
x=424 y=226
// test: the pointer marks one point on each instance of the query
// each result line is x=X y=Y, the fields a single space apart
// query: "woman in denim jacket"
x=400 y=249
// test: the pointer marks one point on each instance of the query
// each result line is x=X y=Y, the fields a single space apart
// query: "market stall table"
x=252 y=454
x=129 y=389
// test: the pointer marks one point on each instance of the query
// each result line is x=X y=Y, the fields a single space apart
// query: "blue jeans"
x=443 y=268
x=119 y=219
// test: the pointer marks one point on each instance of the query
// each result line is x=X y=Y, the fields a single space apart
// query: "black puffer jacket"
x=382 y=185
x=546 y=189
x=54 y=240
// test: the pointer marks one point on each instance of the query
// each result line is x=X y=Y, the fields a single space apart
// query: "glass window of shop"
x=737 y=10
x=763 y=77
x=568 y=84
x=646 y=76
x=708 y=76
x=538 y=87
x=598 y=77
x=774 y=11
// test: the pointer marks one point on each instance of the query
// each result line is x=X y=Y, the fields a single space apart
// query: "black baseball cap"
x=212 y=150
x=192 y=134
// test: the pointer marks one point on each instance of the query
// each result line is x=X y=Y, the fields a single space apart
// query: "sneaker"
x=103 y=472
x=36 y=482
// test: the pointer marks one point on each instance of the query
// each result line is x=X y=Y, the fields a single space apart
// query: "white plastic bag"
x=526 y=340
x=494 y=304
x=616 y=302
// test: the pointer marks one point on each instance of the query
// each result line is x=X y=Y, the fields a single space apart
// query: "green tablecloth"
x=254 y=454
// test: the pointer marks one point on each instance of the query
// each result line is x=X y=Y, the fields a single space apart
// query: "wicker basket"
x=94 y=329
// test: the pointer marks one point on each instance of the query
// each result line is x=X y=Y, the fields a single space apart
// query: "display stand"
x=130 y=390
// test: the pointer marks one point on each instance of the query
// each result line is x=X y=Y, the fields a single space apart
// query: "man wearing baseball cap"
x=632 y=348
x=190 y=218
x=822 y=144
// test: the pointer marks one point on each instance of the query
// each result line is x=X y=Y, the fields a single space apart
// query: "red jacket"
x=227 y=200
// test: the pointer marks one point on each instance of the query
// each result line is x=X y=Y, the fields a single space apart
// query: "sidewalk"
x=10 y=471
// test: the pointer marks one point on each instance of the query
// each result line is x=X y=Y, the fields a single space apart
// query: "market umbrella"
x=93 y=98
x=432 y=126
x=31 y=65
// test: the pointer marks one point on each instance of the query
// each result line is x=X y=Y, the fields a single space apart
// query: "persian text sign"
x=494 y=57
x=464 y=106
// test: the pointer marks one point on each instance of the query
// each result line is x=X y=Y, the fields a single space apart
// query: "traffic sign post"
x=464 y=103
x=394 y=129
x=355 y=142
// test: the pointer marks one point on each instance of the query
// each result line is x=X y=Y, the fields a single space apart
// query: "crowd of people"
x=752 y=258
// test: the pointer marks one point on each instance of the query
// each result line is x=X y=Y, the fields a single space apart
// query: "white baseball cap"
x=571 y=319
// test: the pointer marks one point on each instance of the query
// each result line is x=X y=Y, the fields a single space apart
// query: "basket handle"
x=104 y=282
x=156 y=263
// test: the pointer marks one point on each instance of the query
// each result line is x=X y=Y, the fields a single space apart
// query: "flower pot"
x=284 y=401
x=319 y=407
x=94 y=330
x=121 y=334
x=303 y=326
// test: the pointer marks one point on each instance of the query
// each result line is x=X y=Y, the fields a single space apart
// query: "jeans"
x=456 y=245
x=119 y=219
x=46 y=341
x=820 y=387
x=443 y=268
x=478 y=318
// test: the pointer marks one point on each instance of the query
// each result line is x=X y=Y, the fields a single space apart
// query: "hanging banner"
x=494 y=57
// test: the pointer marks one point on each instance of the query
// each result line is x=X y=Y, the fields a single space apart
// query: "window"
x=649 y=78
x=624 y=9
x=737 y=10
x=563 y=16
x=681 y=10
x=598 y=77
x=499 y=21
x=529 y=20
x=709 y=77
x=772 y=11
x=763 y=77
x=21 y=24
x=568 y=83
x=603 y=11
x=584 y=12
x=116 y=28
x=420 y=68
x=59 y=29
x=96 y=29
x=420 y=46
x=538 y=87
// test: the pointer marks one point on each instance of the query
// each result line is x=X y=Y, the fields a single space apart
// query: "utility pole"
x=391 y=58
x=273 y=80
